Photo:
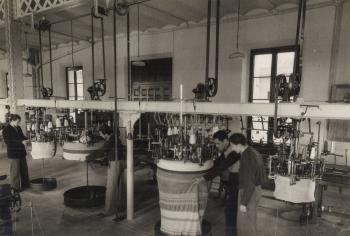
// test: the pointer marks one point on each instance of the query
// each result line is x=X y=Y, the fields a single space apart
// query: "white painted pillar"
x=13 y=35
x=128 y=120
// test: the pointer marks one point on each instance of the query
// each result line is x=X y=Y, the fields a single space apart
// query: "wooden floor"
x=51 y=217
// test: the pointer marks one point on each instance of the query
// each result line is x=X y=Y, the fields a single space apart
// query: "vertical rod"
x=116 y=117
x=41 y=59
x=130 y=173
x=103 y=48
x=128 y=54
x=72 y=42
x=138 y=30
x=217 y=39
x=208 y=43
x=50 y=51
x=93 y=51
x=238 y=21
x=87 y=173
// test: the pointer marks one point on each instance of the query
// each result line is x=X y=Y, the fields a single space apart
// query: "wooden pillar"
x=13 y=36
x=128 y=120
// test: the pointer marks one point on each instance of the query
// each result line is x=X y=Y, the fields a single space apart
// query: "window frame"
x=75 y=82
x=274 y=51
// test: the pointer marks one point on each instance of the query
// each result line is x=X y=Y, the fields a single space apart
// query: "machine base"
x=43 y=184
x=85 y=196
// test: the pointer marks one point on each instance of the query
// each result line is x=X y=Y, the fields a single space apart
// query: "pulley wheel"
x=85 y=196
x=43 y=184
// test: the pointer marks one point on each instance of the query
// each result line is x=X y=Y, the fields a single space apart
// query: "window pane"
x=80 y=76
x=71 y=90
x=262 y=65
x=258 y=118
x=80 y=98
x=259 y=136
x=261 y=88
x=70 y=76
x=285 y=62
x=260 y=125
x=80 y=90
x=71 y=98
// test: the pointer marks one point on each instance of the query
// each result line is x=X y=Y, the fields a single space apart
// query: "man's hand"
x=242 y=208
x=25 y=142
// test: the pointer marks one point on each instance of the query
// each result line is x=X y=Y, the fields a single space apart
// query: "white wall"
x=188 y=50
x=343 y=68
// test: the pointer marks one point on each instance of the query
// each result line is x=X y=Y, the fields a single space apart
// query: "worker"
x=251 y=177
x=228 y=161
x=16 y=152
x=115 y=190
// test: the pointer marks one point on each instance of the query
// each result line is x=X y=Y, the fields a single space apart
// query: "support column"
x=14 y=49
x=335 y=45
x=128 y=121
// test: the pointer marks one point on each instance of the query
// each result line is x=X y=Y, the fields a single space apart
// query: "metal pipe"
x=217 y=39
x=93 y=50
x=103 y=48
x=41 y=60
x=208 y=43
x=128 y=54
x=72 y=43
x=50 y=51
x=130 y=173
x=116 y=118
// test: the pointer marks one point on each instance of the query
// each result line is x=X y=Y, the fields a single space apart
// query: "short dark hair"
x=14 y=117
x=221 y=135
x=238 y=138
x=105 y=129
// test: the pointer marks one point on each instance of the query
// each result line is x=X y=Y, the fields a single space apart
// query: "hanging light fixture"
x=138 y=62
x=27 y=74
x=237 y=53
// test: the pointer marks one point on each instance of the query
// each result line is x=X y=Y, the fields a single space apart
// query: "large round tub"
x=43 y=150
x=75 y=151
x=303 y=191
x=182 y=201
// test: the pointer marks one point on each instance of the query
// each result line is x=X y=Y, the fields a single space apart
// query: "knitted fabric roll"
x=182 y=201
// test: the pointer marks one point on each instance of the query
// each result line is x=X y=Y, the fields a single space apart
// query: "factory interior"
x=120 y=103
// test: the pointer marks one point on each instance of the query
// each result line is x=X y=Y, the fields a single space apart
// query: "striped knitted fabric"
x=182 y=202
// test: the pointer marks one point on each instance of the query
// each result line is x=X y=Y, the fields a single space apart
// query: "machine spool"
x=75 y=151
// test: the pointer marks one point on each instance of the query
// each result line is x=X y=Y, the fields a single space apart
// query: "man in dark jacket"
x=116 y=190
x=16 y=151
x=251 y=176
x=228 y=161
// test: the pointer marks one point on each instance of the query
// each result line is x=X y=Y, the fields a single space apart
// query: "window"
x=75 y=83
x=265 y=64
x=75 y=86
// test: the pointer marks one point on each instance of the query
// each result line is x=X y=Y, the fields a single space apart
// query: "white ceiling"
x=154 y=15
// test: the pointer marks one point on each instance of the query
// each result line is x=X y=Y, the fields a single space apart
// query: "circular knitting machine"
x=183 y=216
x=43 y=151
x=88 y=195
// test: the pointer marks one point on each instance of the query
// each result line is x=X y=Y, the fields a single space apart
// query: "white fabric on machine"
x=301 y=192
